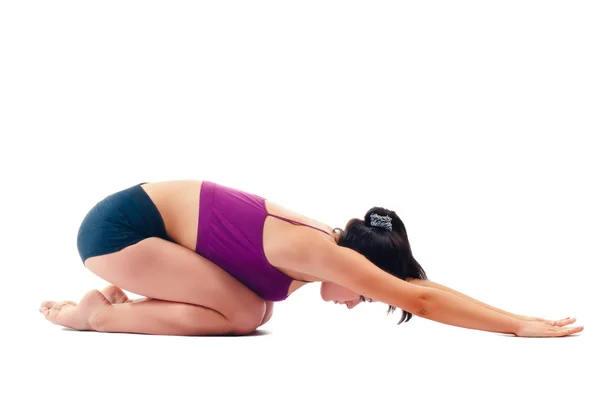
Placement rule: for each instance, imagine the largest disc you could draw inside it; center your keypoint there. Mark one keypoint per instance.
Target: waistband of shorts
(139, 196)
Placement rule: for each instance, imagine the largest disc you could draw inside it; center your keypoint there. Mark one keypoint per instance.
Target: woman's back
(180, 202)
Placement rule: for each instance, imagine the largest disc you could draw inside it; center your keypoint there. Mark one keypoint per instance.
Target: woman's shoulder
(310, 253)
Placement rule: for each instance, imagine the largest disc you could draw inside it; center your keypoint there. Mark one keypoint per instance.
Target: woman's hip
(117, 221)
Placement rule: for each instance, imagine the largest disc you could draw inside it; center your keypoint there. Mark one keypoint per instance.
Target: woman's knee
(268, 313)
(246, 320)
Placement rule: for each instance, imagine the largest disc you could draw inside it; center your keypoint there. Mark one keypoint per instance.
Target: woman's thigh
(160, 269)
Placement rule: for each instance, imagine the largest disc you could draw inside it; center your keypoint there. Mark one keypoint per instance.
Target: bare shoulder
(352, 270)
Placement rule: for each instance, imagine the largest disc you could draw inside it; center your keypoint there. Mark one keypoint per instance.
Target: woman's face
(340, 295)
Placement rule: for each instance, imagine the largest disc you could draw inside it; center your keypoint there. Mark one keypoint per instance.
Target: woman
(212, 260)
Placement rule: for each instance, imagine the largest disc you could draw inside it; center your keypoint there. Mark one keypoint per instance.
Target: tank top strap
(297, 223)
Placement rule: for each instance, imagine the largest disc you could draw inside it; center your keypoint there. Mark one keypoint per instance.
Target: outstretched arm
(355, 272)
(430, 284)
(352, 270)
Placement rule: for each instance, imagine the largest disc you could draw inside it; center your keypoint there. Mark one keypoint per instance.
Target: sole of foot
(79, 316)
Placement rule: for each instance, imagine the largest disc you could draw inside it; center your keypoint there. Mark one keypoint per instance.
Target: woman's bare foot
(78, 316)
(115, 295)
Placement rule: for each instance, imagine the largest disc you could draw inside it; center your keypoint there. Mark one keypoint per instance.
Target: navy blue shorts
(119, 220)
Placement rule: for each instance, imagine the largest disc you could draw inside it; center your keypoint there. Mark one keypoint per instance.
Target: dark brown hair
(388, 249)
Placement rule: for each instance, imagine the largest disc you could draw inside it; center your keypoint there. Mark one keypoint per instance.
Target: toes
(53, 313)
(60, 304)
(65, 316)
(73, 315)
(115, 295)
(55, 304)
(52, 309)
(47, 304)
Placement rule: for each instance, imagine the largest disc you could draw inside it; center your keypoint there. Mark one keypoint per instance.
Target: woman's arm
(430, 284)
(353, 271)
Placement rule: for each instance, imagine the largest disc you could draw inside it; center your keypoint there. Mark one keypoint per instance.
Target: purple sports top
(230, 234)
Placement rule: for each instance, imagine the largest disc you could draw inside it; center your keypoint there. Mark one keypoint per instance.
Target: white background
(477, 122)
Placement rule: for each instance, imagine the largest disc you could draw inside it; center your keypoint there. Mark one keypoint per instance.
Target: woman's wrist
(521, 317)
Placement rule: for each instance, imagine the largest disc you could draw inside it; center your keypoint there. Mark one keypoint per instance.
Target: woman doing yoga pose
(212, 260)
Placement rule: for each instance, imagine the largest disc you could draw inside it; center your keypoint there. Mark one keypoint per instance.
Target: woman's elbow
(422, 303)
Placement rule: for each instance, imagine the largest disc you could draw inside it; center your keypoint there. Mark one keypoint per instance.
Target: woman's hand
(539, 327)
(558, 322)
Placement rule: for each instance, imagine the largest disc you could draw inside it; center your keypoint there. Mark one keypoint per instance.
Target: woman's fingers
(540, 329)
(552, 322)
(564, 321)
(569, 331)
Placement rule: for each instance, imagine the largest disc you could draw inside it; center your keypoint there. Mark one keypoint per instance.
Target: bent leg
(163, 270)
(146, 316)
(160, 317)
(186, 295)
